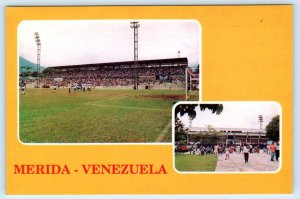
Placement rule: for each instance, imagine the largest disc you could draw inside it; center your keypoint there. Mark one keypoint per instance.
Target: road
(258, 162)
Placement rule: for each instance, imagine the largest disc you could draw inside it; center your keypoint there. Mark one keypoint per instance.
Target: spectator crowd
(109, 77)
(273, 149)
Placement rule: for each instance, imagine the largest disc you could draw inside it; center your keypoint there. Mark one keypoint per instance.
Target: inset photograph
(105, 81)
(225, 137)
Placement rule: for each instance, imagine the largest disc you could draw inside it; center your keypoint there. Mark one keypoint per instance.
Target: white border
(109, 20)
(226, 102)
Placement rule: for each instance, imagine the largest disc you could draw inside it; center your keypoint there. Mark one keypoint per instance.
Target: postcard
(149, 100)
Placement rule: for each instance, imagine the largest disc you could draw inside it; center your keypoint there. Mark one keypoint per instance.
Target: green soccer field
(193, 162)
(98, 116)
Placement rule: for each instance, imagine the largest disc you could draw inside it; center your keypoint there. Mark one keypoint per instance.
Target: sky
(73, 42)
(236, 115)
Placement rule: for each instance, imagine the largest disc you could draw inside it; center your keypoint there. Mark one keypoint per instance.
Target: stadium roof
(152, 63)
(243, 130)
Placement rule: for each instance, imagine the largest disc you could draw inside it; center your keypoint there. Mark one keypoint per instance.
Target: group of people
(108, 77)
(78, 87)
(244, 149)
(272, 149)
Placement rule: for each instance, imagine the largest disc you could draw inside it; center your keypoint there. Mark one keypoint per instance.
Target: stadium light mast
(260, 119)
(135, 25)
(38, 67)
(190, 128)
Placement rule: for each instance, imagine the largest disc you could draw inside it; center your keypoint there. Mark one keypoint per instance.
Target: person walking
(216, 150)
(257, 149)
(277, 151)
(220, 150)
(272, 150)
(227, 153)
(22, 85)
(238, 149)
(246, 153)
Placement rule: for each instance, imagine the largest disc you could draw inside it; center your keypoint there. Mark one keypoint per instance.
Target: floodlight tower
(260, 119)
(190, 128)
(38, 67)
(135, 25)
(190, 123)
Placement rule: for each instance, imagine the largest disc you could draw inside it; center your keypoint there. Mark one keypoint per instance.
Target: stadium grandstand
(152, 74)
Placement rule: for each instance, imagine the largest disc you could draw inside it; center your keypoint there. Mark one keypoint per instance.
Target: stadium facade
(232, 135)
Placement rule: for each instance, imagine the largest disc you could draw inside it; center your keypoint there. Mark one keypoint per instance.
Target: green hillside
(24, 63)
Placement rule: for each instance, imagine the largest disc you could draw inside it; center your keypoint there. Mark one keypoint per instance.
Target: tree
(272, 129)
(34, 74)
(210, 137)
(189, 109)
(25, 71)
(181, 133)
(28, 73)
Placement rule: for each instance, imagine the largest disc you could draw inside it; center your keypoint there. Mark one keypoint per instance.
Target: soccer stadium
(103, 101)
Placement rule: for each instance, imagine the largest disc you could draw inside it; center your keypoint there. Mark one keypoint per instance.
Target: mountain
(24, 63)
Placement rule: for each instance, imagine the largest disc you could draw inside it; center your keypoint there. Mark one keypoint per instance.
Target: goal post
(191, 83)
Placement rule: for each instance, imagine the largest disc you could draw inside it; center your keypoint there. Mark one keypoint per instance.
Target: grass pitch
(98, 116)
(193, 162)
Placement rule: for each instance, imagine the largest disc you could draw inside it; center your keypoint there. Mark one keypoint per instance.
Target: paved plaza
(258, 162)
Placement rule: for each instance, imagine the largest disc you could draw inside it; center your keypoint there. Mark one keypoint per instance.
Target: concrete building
(231, 135)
